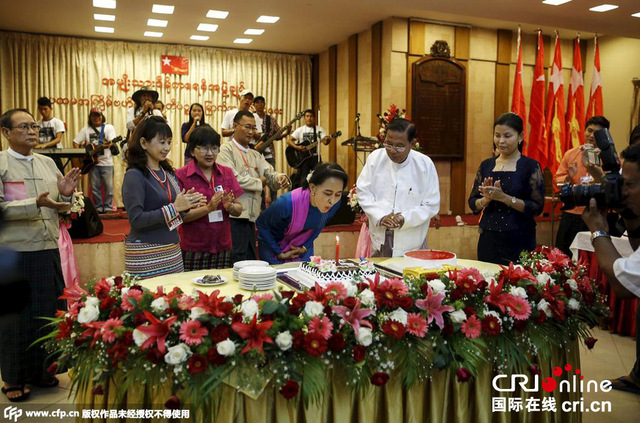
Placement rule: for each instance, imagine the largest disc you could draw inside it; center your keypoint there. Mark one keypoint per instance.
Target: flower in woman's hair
(417, 325)
(192, 332)
(518, 308)
(108, 330)
(323, 326)
(472, 327)
(309, 176)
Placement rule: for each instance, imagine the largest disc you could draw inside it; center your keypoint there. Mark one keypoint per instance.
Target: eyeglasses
(249, 127)
(400, 149)
(25, 126)
(213, 149)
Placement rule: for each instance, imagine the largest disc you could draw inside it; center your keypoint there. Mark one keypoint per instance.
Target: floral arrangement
(370, 331)
(77, 207)
(392, 113)
(352, 198)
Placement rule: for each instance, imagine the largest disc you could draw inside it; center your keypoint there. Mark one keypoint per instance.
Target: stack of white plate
(258, 278)
(244, 263)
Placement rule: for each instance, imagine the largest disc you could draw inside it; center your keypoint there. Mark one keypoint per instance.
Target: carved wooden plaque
(438, 106)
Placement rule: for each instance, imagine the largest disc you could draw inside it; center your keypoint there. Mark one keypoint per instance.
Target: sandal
(23, 396)
(624, 384)
(48, 383)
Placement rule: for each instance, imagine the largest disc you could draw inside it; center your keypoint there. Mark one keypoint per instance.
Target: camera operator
(577, 168)
(623, 274)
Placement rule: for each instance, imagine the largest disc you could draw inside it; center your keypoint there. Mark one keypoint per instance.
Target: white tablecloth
(582, 241)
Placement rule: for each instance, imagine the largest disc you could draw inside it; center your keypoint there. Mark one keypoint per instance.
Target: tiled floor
(612, 356)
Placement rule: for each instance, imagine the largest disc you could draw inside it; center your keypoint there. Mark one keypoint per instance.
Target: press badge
(218, 189)
(215, 216)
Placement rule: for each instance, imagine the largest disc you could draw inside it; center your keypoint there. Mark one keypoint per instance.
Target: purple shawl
(294, 234)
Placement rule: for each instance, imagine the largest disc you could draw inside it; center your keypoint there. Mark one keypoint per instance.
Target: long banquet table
(442, 399)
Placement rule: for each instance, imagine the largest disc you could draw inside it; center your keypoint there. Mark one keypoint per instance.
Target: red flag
(537, 143)
(175, 64)
(555, 111)
(518, 104)
(595, 107)
(575, 101)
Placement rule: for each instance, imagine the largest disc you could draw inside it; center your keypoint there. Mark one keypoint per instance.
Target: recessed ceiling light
(217, 14)
(636, 15)
(242, 40)
(157, 22)
(153, 34)
(604, 8)
(254, 32)
(99, 17)
(200, 37)
(207, 27)
(105, 29)
(105, 4)
(162, 9)
(555, 2)
(268, 19)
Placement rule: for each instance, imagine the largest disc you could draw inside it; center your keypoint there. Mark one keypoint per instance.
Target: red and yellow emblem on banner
(176, 65)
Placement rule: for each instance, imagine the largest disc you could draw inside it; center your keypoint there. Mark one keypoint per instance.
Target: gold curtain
(635, 113)
(84, 73)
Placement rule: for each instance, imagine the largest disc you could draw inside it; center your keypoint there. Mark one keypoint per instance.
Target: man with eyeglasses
(32, 192)
(399, 191)
(253, 173)
(227, 127)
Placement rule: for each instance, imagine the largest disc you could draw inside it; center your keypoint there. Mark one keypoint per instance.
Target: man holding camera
(578, 166)
(623, 274)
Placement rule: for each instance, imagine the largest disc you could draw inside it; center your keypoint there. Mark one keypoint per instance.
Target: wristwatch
(513, 201)
(598, 234)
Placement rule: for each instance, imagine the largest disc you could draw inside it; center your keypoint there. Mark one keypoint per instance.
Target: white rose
(313, 308)
(364, 337)
(92, 302)
(543, 305)
(226, 347)
(399, 315)
(159, 305)
(458, 316)
(250, 308)
(284, 340)
(124, 290)
(543, 278)
(139, 337)
(88, 314)
(437, 286)
(196, 312)
(518, 291)
(352, 290)
(573, 284)
(177, 354)
(574, 304)
(367, 298)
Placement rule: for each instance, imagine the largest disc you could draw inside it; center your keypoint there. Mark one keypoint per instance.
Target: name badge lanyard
(165, 184)
(244, 159)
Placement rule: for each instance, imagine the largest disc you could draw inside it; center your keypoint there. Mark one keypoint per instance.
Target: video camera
(607, 192)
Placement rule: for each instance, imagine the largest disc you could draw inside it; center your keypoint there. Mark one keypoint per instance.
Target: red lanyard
(246, 163)
(165, 184)
(212, 183)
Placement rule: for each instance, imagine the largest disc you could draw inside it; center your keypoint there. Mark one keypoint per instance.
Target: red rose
(533, 369)
(287, 294)
(172, 403)
(470, 311)
(117, 280)
(298, 340)
(540, 318)
(290, 389)
(237, 299)
(102, 289)
(337, 342)
(215, 358)
(327, 310)
(107, 303)
(80, 341)
(359, 353)
(314, 344)
(53, 368)
(463, 374)
(300, 300)
(520, 325)
(456, 294)
(349, 302)
(293, 310)
(196, 364)
(393, 328)
(219, 333)
(448, 330)
(405, 302)
(236, 318)
(590, 342)
(567, 289)
(482, 285)
(97, 390)
(431, 276)
(531, 290)
(116, 313)
(155, 356)
(139, 319)
(424, 289)
(379, 378)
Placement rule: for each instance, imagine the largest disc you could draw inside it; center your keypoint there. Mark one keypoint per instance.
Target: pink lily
(355, 317)
(157, 331)
(434, 308)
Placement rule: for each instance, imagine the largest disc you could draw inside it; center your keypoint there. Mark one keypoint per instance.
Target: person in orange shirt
(574, 169)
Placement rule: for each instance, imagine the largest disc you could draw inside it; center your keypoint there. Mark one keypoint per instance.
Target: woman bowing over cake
(287, 229)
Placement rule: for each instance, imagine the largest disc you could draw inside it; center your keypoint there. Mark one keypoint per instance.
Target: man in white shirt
(305, 135)
(623, 274)
(399, 191)
(227, 127)
(99, 135)
(253, 173)
(51, 129)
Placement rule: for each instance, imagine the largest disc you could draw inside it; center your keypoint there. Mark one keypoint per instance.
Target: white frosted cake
(429, 259)
(326, 271)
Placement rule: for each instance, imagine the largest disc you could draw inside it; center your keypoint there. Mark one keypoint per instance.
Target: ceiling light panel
(105, 29)
(604, 8)
(636, 15)
(268, 19)
(207, 27)
(105, 4)
(153, 34)
(162, 9)
(200, 37)
(242, 40)
(100, 17)
(555, 2)
(157, 22)
(254, 31)
(217, 14)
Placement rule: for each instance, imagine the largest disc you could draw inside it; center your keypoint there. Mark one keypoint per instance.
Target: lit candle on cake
(337, 250)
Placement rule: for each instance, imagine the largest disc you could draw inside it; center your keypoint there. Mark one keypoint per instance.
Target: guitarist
(267, 126)
(98, 134)
(306, 135)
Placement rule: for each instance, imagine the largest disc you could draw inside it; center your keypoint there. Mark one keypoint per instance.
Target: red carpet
(115, 230)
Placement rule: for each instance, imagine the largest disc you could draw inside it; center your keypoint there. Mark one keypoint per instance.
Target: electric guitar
(295, 157)
(91, 158)
(263, 145)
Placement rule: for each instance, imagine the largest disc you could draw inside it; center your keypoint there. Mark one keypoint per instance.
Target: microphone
(357, 117)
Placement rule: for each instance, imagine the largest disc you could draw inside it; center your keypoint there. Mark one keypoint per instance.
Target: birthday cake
(429, 259)
(326, 271)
